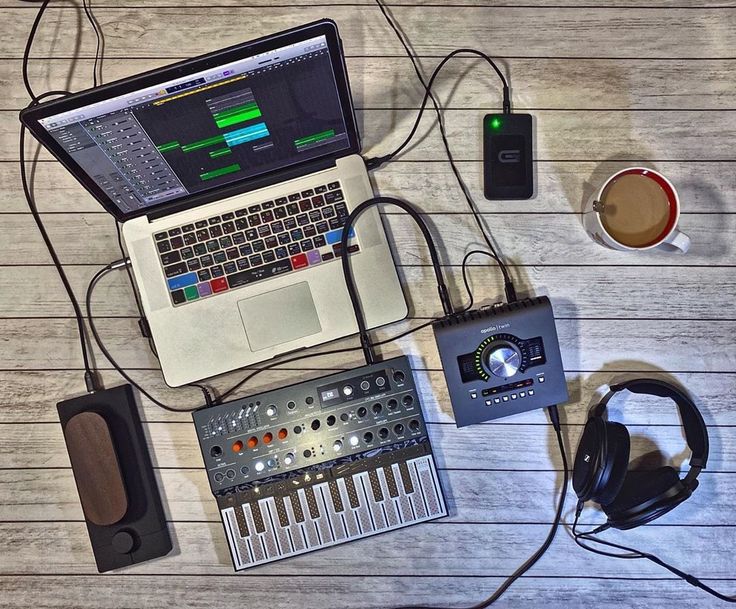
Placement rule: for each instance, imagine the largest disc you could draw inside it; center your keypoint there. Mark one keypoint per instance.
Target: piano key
(310, 527)
(239, 546)
(257, 518)
(406, 478)
(389, 505)
(354, 518)
(336, 498)
(321, 519)
(269, 536)
(296, 507)
(283, 517)
(376, 511)
(240, 520)
(375, 485)
(405, 507)
(256, 544)
(282, 537)
(311, 502)
(393, 489)
(337, 526)
(429, 484)
(352, 492)
(296, 528)
(417, 497)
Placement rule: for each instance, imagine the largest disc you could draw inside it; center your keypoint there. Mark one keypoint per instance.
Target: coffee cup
(636, 209)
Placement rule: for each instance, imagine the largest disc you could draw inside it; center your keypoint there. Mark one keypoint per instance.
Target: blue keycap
(182, 281)
(334, 236)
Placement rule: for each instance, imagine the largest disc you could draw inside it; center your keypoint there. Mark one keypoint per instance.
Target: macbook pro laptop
(232, 175)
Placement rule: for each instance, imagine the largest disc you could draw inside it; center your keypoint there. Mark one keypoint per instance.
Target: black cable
(365, 340)
(634, 554)
(376, 162)
(464, 266)
(95, 26)
(531, 561)
(27, 51)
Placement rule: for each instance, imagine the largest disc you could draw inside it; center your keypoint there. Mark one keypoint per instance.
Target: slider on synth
(320, 463)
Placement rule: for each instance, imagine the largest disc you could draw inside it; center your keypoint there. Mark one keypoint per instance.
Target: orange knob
(268, 437)
(237, 446)
(283, 433)
(252, 442)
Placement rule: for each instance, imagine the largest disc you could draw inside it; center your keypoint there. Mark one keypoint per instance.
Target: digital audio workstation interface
(211, 128)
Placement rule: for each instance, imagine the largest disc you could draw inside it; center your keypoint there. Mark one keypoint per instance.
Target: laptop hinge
(253, 184)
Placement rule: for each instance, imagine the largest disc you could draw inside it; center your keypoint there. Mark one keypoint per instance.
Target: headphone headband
(696, 433)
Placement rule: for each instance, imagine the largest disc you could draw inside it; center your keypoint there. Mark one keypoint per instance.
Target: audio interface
(320, 463)
(501, 360)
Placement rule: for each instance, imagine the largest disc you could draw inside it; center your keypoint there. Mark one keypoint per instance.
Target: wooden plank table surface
(634, 82)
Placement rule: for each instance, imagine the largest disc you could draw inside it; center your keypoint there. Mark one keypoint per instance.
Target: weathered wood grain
(585, 344)
(525, 239)
(354, 592)
(703, 186)
(576, 292)
(588, 31)
(31, 396)
(465, 82)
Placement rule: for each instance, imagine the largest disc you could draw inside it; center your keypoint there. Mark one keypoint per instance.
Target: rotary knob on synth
(337, 446)
(289, 458)
(271, 411)
(502, 360)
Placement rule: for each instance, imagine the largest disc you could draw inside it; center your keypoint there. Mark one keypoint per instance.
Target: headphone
(633, 498)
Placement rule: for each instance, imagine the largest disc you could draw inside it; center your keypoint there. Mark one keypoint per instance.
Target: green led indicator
(495, 123)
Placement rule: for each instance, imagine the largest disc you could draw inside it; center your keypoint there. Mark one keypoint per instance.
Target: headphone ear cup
(616, 463)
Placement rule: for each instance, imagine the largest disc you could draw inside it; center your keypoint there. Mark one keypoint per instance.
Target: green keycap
(191, 292)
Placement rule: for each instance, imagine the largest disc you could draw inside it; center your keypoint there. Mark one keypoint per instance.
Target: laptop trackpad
(279, 316)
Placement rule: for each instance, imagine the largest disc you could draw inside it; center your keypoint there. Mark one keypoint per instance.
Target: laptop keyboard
(225, 252)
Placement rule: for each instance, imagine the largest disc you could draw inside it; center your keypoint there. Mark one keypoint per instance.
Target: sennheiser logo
(495, 328)
(509, 156)
(586, 458)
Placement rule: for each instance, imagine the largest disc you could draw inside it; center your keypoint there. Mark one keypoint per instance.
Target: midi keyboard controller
(320, 463)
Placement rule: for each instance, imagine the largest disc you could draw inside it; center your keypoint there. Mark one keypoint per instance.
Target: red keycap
(219, 285)
(299, 261)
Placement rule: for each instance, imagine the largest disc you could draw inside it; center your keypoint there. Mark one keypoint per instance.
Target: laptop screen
(208, 129)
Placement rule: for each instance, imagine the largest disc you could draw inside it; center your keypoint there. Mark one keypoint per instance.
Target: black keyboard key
(268, 205)
(281, 253)
(215, 220)
(178, 296)
(335, 494)
(337, 248)
(318, 201)
(188, 228)
(160, 236)
(243, 264)
(342, 211)
(175, 269)
(254, 209)
(241, 212)
(263, 272)
(271, 242)
(322, 227)
(284, 238)
(327, 256)
(375, 485)
(277, 227)
(170, 258)
(219, 257)
(254, 220)
(194, 264)
(215, 231)
(225, 242)
(267, 216)
(228, 227)
(292, 209)
(335, 223)
(333, 185)
(307, 193)
(163, 246)
(204, 275)
(201, 224)
(310, 231)
(302, 219)
(268, 256)
(294, 197)
(333, 197)
(281, 201)
(311, 502)
(206, 260)
(307, 245)
(406, 478)
(305, 205)
(352, 492)
(228, 216)
(246, 249)
(238, 238)
(251, 234)
(393, 490)
(217, 271)
(255, 509)
(297, 234)
(258, 245)
(280, 213)
(213, 246)
(294, 249)
(186, 253)
(190, 238)
(229, 268)
(256, 260)
(320, 189)
(241, 224)
(281, 511)
(203, 235)
(289, 223)
(296, 506)
(174, 232)
(353, 248)
(319, 241)
(328, 212)
(315, 215)
(200, 249)
(232, 253)
(264, 230)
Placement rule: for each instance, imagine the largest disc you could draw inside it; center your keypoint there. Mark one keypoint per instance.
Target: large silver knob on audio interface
(503, 360)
